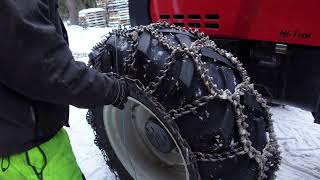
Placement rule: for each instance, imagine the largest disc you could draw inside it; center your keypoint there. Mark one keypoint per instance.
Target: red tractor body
(285, 21)
(277, 40)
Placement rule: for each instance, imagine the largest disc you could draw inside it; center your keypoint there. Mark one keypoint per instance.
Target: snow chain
(270, 155)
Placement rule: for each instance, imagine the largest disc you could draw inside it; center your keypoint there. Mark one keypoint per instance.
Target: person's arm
(37, 63)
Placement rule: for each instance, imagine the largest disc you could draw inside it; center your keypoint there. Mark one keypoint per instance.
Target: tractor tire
(173, 110)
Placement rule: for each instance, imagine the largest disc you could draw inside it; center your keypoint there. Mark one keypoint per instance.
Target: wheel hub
(158, 137)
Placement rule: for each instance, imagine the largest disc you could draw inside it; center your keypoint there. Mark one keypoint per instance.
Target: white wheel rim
(138, 156)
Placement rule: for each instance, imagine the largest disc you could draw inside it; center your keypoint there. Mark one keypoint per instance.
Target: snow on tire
(199, 94)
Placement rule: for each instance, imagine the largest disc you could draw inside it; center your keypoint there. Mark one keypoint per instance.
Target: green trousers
(52, 160)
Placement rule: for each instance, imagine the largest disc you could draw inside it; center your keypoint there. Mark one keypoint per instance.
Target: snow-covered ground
(298, 136)
(299, 139)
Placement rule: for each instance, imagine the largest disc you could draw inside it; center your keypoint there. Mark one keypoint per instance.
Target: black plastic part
(194, 16)
(301, 84)
(195, 25)
(316, 113)
(291, 78)
(212, 26)
(316, 116)
(158, 137)
(139, 11)
(212, 16)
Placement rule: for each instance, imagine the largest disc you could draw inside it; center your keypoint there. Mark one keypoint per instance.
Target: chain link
(217, 157)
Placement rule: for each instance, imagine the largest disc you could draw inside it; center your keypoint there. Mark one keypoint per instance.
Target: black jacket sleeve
(37, 63)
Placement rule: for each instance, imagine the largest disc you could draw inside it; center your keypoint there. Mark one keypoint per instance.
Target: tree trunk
(73, 12)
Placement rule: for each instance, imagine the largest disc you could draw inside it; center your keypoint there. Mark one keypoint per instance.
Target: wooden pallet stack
(93, 17)
(118, 13)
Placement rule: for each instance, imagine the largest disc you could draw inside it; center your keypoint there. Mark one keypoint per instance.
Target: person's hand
(123, 91)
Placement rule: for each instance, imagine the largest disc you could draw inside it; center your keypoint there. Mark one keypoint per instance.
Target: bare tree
(73, 12)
